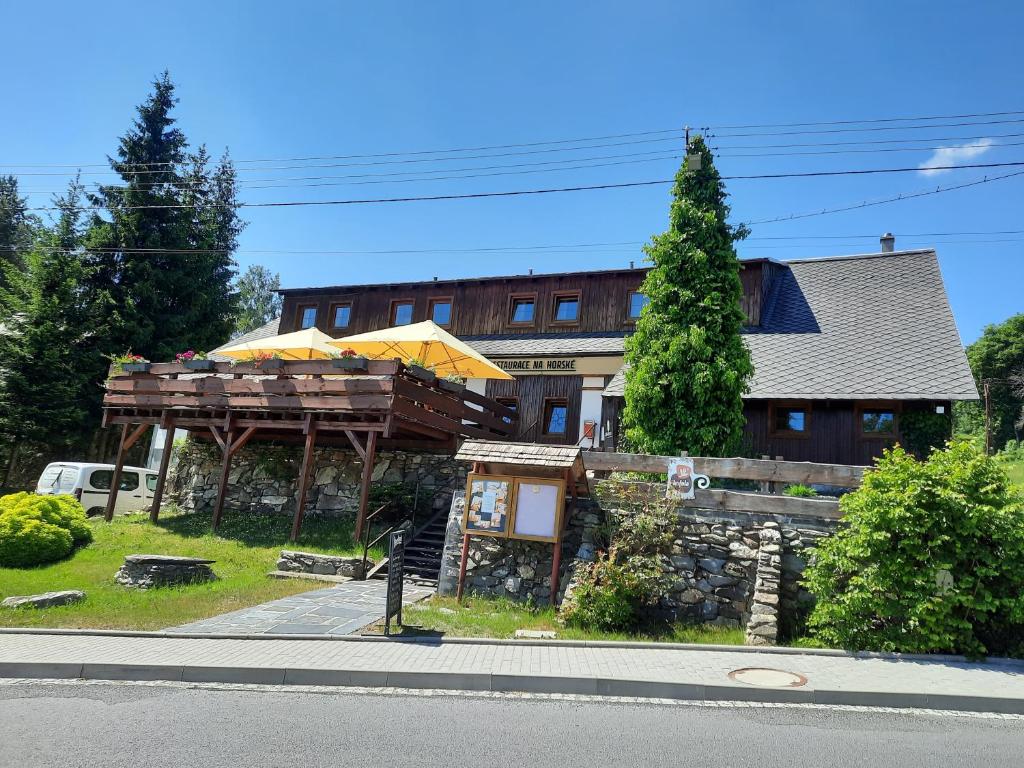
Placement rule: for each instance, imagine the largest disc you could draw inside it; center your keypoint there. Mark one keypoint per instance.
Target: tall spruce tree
(47, 370)
(688, 364)
(160, 263)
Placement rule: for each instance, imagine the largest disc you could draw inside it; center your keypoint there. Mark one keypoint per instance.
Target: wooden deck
(314, 402)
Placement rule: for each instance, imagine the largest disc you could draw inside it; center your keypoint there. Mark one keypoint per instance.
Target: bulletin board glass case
(488, 505)
(514, 507)
(537, 514)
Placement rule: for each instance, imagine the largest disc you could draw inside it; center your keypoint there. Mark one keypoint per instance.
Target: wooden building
(842, 346)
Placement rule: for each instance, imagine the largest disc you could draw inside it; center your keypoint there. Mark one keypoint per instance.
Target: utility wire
(582, 188)
(871, 120)
(863, 130)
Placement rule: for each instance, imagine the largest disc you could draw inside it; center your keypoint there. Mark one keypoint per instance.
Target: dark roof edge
(857, 256)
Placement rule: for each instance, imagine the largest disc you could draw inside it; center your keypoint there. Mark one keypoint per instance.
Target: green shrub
(611, 594)
(802, 491)
(40, 529)
(882, 582)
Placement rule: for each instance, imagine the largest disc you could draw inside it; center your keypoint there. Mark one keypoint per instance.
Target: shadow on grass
(331, 534)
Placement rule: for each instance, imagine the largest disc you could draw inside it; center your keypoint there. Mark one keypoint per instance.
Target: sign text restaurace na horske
(539, 365)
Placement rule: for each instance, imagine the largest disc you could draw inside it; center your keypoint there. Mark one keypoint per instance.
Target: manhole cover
(768, 678)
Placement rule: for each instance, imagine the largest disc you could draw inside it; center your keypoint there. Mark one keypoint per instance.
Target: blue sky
(273, 81)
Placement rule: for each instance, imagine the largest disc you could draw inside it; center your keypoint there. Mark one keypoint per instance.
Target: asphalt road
(81, 724)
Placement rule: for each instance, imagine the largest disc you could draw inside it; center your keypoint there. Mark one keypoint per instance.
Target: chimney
(888, 241)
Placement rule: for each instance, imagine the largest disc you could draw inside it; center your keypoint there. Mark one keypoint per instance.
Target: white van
(90, 484)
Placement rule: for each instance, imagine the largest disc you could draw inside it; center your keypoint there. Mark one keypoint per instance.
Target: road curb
(509, 683)
(628, 645)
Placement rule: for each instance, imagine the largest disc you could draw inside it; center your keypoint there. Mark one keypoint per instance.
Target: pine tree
(160, 266)
(48, 381)
(258, 300)
(688, 364)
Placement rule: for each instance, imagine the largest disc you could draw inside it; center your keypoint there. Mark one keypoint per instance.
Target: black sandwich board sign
(396, 564)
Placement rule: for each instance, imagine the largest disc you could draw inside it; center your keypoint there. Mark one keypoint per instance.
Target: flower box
(351, 363)
(451, 386)
(136, 367)
(198, 365)
(421, 373)
(271, 364)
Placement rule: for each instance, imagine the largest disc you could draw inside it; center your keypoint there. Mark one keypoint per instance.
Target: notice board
(514, 507)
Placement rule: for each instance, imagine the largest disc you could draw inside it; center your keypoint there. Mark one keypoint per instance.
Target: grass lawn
(1015, 469)
(485, 617)
(246, 548)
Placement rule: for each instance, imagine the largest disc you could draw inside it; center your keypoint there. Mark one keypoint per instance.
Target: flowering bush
(40, 529)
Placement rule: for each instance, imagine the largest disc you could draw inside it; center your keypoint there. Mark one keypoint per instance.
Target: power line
(864, 130)
(871, 120)
(868, 204)
(582, 188)
(864, 142)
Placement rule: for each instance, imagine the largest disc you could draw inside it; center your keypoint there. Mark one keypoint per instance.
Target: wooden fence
(758, 470)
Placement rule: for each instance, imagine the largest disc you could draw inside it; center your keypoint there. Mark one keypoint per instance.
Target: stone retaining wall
(264, 478)
(736, 572)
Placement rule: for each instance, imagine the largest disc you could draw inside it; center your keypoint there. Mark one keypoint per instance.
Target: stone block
(45, 600)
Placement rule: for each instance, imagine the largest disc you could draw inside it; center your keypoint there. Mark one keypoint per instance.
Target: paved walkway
(679, 673)
(337, 610)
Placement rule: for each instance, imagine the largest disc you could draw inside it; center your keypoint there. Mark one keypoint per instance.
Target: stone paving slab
(337, 610)
(535, 667)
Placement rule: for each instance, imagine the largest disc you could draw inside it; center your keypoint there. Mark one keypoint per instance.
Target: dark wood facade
(530, 394)
(478, 306)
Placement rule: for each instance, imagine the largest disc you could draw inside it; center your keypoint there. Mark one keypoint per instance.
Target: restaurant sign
(564, 366)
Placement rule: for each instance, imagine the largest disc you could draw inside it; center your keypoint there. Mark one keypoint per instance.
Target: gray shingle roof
(263, 332)
(497, 345)
(860, 327)
(491, 452)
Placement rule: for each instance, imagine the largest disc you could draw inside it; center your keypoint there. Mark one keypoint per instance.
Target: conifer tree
(160, 263)
(688, 364)
(258, 300)
(17, 228)
(47, 369)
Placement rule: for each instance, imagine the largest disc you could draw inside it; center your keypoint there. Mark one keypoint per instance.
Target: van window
(151, 482)
(59, 478)
(101, 478)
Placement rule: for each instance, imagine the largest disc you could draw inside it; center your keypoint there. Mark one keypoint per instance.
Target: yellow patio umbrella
(309, 344)
(428, 344)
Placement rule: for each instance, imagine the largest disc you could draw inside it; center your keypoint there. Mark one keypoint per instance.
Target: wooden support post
(307, 466)
(462, 567)
(777, 487)
(556, 557)
(765, 485)
(367, 476)
(161, 477)
(127, 441)
(225, 470)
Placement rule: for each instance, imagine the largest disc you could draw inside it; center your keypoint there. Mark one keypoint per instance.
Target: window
(102, 478)
(341, 315)
(790, 419)
(874, 421)
(508, 402)
(556, 417)
(401, 312)
(522, 309)
(307, 316)
(567, 308)
(441, 312)
(637, 302)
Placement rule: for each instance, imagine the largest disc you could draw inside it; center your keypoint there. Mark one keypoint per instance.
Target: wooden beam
(161, 477)
(225, 470)
(805, 472)
(242, 440)
(217, 436)
(127, 441)
(307, 466)
(356, 444)
(365, 479)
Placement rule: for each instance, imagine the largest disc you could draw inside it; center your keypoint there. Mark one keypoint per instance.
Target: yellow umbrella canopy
(428, 344)
(309, 344)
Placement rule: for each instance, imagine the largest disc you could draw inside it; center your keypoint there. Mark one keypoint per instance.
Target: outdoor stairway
(423, 551)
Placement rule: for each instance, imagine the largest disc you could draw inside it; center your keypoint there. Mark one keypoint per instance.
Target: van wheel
(95, 511)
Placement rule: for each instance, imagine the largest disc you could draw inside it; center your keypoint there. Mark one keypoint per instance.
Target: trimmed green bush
(40, 529)
(928, 560)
